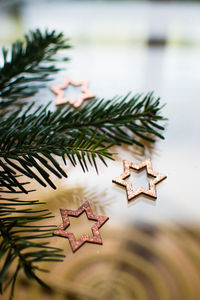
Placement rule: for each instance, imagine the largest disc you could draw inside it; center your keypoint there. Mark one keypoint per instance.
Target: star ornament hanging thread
(76, 244)
(131, 193)
(86, 93)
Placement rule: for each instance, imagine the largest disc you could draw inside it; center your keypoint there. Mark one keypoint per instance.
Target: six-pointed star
(76, 244)
(60, 97)
(129, 189)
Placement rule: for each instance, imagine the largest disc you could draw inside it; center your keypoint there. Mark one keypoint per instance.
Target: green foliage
(32, 138)
(30, 64)
(24, 243)
(20, 245)
(120, 119)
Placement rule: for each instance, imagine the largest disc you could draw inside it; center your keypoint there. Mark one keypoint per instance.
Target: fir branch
(33, 137)
(20, 245)
(29, 140)
(121, 119)
(30, 64)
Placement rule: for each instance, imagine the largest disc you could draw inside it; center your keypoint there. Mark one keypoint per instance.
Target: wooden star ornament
(131, 193)
(76, 244)
(60, 97)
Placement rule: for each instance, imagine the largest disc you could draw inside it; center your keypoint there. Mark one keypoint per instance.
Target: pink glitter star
(76, 244)
(131, 194)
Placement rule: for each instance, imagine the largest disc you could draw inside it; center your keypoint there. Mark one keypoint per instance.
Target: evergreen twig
(120, 119)
(20, 245)
(31, 137)
(31, 140)
(30, 64)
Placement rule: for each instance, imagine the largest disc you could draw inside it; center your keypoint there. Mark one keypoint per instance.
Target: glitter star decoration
(131, 193)
(60, 97)
(76, 244)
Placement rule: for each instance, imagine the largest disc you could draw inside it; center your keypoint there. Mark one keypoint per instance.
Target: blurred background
(151, 249)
